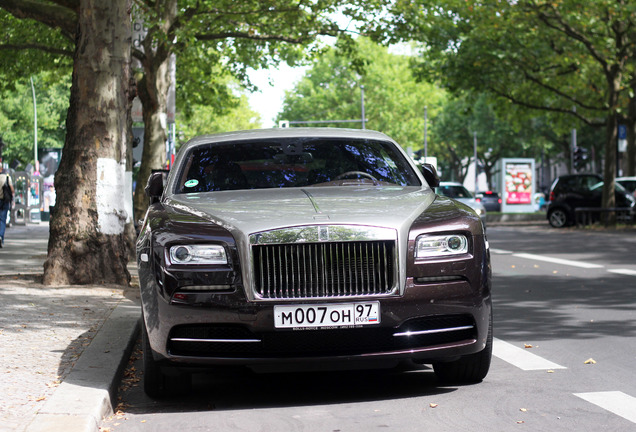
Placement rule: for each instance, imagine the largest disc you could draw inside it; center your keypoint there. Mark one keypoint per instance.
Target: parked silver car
(458, 192)
(629, 183)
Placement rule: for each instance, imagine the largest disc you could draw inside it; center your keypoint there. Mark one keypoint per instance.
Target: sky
(268, 102)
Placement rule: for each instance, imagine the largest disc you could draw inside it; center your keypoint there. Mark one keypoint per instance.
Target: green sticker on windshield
(191, 183)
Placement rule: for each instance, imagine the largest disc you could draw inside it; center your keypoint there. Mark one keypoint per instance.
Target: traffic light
(580, 158)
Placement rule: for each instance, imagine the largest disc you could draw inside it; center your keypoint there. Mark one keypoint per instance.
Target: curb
(515, 218)
(87, 394)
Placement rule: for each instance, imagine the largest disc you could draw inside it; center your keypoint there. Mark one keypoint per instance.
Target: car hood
(253, 211)
(248, 212)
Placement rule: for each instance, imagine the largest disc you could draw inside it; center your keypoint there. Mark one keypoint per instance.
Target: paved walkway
(49, 352)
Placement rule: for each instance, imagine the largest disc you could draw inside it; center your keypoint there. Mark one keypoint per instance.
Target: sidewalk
(62, 349)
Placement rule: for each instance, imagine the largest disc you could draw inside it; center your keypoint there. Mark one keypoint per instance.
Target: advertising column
(518, 185)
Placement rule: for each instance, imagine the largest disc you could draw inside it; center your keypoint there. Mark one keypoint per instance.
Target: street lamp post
(362, 102)
(476, 164)
(425, 133)
(35, 130)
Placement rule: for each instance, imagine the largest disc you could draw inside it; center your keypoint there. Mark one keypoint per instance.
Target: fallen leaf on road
(523, 409)
(433, 405)
(527, 346)
(520, 422)
(550, 371)
(590, 361)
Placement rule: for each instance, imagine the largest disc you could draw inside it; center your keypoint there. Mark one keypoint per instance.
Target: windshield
(599, 186)
(293, 162)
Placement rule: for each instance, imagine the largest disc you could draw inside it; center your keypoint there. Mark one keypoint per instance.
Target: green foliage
(541, 55)
(28, 47)
(394, 101)
(469, 116)
(216, 39)
(205, 119)
(17, 120)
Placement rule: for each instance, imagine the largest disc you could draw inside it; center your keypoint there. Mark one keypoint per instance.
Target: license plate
(327, 315)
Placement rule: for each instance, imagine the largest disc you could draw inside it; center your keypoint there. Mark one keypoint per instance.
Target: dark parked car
(573, 191)
(309, 248)
(490, 200)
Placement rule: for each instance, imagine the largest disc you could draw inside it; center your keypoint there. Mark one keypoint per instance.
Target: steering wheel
(356, 173)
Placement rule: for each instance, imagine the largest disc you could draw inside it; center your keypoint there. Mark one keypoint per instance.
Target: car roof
(626, 178)
(444, 183)
(580, 175)
(295, 132)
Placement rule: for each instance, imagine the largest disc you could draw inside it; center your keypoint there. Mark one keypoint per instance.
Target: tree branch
(247, 35)
(69, 4)
(52, 15)
(44, 48)
(560, 93)
(517, 101)
(560, 25)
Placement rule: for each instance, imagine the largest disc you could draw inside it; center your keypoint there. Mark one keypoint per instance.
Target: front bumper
(432, 321)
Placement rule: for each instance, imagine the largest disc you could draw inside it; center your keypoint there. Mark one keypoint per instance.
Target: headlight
(198, 254)
(427, 246)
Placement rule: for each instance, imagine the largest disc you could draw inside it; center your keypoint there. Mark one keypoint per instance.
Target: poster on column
(518, 183)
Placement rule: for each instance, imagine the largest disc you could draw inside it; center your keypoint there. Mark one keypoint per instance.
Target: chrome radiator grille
(318, 270)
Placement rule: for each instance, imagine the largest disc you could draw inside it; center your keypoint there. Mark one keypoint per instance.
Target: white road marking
(616, 402)
(627, 272)
(521, 357)
(558, 260)
(501, 251)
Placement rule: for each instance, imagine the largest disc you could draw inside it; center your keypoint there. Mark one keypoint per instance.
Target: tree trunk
(130, 231)
(609, 171)
(631, 137)
(153, 92)
(87, 241)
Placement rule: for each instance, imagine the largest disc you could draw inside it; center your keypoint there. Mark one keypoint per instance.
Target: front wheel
(558, 218)
(469, 369)
(154, 378)
(158, 384)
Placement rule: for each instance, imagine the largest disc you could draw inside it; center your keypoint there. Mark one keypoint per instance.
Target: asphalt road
(564, 356)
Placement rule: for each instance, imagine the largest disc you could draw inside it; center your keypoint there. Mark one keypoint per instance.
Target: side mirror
(430, 175)
(154, 187)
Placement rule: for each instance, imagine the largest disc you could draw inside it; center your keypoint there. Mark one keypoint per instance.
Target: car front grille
(322, 270)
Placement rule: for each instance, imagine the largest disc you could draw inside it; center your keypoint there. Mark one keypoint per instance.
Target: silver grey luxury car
(305, 248)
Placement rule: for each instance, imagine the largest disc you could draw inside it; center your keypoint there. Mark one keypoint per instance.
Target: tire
(469, 369)
(157, 383)
(558, 218)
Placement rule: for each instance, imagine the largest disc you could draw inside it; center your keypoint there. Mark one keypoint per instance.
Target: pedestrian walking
(6, 199)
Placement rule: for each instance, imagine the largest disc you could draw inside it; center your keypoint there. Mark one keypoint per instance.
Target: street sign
(622, 132)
